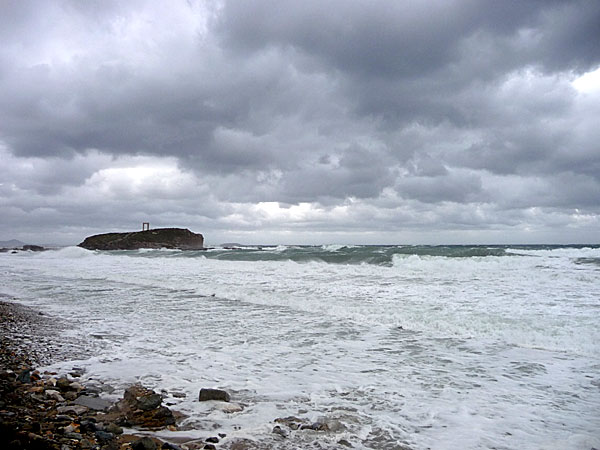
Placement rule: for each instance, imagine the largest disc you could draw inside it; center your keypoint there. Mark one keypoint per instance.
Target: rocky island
(174, 238)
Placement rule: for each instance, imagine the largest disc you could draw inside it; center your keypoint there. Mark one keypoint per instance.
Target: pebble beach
(42, 409)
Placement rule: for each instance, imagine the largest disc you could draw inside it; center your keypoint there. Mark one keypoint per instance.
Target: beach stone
(132, 415)
(87, 426)
(137, 395)
(76, 386)
(95, 403)
(72, 409)
(63, 418)
(24, 376)
(168, 446)
(71, 435)
(71, 395)
(54, 395)
(63, 384)
(114, 428)
(212, 440)
(207, 394)
(104, 436)
(243, 444)
(316, 426)
(77, 371)
(144, 443)
(210, 447)
(86, 443)
(71, 428)
(345, 443)
(148, 402)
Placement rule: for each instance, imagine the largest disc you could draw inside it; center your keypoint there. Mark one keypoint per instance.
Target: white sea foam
(432, 352)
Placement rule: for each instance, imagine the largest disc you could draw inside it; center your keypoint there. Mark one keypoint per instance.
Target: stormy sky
(301, 122)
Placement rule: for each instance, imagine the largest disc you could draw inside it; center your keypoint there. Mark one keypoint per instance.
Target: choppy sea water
(418, 347)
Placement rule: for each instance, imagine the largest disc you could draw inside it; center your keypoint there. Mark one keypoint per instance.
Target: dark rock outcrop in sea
(174, 238)
(26, 247)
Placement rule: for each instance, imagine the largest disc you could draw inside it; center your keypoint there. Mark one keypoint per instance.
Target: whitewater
(418, 347)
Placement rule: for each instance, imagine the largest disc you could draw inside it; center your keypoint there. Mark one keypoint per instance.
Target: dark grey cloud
(304, 116)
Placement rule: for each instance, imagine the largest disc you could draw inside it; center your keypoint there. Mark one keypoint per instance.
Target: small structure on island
(145, 226)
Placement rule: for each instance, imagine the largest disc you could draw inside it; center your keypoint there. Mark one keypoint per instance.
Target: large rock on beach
(174, 238)
(207, 394)
(142, 407)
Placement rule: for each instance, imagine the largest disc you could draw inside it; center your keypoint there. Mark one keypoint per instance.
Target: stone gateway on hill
(176, 238)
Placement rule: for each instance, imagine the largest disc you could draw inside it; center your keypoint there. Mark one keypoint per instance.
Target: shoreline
(50, 410)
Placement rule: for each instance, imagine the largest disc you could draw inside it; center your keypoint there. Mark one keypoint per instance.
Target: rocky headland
(172, 238)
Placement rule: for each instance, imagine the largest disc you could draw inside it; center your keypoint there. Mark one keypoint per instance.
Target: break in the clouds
(301, 122)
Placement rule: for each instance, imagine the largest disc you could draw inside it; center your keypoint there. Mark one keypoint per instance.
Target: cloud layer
(277, 121)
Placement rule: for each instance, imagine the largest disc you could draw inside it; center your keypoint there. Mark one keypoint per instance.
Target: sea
(394, 347)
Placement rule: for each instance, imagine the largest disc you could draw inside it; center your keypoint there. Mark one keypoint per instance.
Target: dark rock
(345, 443)
(212, 440)
(137, 396)
(70, 395)
(149, 402)
(317, 426)
(168, 446)
(132, 415)
(207, 394)
(34, 248)
(63, 384)
(76, 372)
(114, 428)
(144, 443)
(163, 415)
(24, 376)
(178, 238)
(210, 447)
(222, 435)
(104, 436)
(87, 426)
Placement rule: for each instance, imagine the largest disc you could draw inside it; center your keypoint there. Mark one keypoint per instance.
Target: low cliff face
(178, 238)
